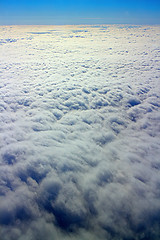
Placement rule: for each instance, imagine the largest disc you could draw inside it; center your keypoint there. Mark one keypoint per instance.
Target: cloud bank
(79, 132)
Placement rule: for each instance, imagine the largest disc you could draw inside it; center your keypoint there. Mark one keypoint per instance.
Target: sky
(61, 12)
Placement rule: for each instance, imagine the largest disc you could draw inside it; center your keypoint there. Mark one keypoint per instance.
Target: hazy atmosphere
(79, 120)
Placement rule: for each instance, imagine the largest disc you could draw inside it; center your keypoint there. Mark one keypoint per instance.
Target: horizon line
(85, 24)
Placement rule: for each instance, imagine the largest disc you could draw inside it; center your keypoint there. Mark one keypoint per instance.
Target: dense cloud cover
(79, 132)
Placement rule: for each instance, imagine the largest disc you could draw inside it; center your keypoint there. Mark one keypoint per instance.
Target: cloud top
(79, 132)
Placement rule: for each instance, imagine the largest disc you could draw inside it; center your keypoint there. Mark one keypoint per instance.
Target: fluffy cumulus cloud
(79, 133)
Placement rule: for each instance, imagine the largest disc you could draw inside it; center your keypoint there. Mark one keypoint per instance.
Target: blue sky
(79, 12)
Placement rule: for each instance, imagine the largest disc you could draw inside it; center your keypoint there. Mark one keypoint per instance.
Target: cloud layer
(79, 132)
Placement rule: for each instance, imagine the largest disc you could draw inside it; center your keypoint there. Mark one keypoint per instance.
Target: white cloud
(79, 133)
